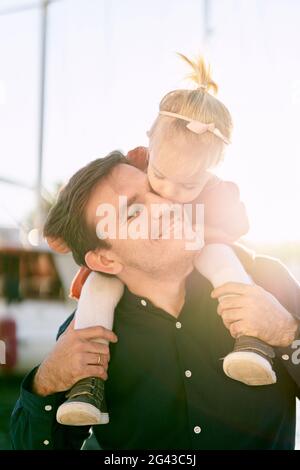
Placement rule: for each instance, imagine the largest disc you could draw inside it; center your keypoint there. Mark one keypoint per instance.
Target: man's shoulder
(271, 274)
(65, 325)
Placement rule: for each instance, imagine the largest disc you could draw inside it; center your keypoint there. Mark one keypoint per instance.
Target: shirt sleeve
(275, 277)
(278, 280)
(225, 215)
(33, 422)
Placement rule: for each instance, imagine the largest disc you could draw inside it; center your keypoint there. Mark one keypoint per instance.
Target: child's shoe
(250, 362)
(85, 404)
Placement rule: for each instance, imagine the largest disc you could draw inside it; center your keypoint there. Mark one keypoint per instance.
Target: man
(166, 387)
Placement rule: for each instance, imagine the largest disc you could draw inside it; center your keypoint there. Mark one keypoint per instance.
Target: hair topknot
(200, 74)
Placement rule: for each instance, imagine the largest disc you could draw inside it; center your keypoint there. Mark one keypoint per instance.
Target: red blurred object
(78, 281)
(8, 334)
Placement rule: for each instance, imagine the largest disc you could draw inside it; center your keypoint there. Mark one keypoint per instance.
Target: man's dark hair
(67, 219)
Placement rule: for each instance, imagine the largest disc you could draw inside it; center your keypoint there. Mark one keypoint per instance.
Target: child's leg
(219, 264)
(99, 296)
(250, 362)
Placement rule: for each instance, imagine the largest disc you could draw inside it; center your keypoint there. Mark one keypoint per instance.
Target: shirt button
(143, 302)
(178, 324)
(285, 357)
(188, 373)
(197, 429)
(48, 407)
(46, 442)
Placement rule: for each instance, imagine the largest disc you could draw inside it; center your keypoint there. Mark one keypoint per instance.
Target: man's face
(147, 254)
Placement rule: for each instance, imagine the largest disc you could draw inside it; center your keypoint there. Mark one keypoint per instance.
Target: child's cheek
(152, 181)
(149, 176)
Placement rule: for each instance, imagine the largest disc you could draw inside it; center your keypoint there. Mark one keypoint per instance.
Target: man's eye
(134, 211)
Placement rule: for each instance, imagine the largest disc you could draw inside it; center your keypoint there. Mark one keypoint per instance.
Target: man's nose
(153, 198)
(159, 206)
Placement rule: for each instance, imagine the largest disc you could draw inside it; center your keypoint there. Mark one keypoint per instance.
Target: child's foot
(85, 404)
(250, 362)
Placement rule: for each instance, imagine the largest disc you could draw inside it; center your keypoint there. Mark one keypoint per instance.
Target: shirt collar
(133, 303)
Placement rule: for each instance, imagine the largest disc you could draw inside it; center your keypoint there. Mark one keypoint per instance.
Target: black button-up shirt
(167, 389)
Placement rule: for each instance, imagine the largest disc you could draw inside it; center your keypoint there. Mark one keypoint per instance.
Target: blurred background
(79, 78)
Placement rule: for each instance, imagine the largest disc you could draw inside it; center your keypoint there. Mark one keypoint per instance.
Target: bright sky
(109, 64)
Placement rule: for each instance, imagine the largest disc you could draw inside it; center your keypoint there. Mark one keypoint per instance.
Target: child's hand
(138, 157)
(58, 245)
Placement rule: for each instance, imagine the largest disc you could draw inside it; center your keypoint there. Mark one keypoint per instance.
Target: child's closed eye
(190, 186)
(158, 175)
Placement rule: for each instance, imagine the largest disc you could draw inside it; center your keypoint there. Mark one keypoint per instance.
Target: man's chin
(180, 248)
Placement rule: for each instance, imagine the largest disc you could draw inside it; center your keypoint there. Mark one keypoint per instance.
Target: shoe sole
(249, 368)
(80, 414)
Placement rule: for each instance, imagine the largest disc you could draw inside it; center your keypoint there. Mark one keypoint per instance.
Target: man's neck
(167, 294)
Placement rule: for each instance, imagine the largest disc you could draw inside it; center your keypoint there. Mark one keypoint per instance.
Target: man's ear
(103, 261)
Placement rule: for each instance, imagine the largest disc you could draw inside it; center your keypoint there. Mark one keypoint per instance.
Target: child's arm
(225, 221)
(225, 216)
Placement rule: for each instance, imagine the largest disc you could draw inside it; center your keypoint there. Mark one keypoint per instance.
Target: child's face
(175, 169)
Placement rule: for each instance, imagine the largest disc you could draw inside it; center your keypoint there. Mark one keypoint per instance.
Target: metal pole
(208, 30)
(22, 8)
(19, 9)
(43, 63)
(16, 183)
(43, 6)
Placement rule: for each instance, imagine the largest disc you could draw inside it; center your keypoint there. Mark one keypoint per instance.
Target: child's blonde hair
(198, 104)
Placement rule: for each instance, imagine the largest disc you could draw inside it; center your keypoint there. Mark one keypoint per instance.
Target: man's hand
(249, 310)
(74, 357)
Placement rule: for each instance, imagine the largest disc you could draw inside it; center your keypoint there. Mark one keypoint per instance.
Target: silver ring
(99, 360)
